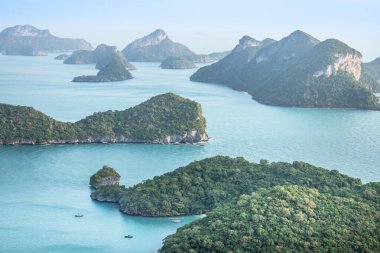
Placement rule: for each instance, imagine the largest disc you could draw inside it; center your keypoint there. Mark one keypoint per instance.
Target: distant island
(101, 56)
(246, 201)
(61, 57)
(157, 46)
(30, 41)
(24, 51)
(298, 70)
(163, 119)
(112, 72)
(177, 63)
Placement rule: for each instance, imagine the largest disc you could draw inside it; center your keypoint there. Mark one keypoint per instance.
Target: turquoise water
(42, 187)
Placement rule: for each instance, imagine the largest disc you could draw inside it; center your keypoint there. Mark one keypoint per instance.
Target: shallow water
(42, 187)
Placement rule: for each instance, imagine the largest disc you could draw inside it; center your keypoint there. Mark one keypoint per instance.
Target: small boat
(176, 220)
(128, 236)
(78, 215)
(176, 143)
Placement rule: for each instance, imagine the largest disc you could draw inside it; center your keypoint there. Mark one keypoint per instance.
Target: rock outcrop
(105, 177)
(349, 63)
(61, 57)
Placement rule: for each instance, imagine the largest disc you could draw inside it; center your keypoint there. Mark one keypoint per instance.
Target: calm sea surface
(42, 187)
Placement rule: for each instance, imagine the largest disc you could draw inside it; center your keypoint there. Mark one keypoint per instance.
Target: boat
(176, 220)
(128, 236)
(78, 215)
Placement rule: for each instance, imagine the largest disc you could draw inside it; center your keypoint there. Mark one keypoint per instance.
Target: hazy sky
(204, 26)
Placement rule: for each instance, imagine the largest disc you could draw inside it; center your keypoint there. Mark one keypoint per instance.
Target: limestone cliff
(350, 63)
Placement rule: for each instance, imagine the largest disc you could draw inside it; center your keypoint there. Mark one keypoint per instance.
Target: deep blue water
(42, 187)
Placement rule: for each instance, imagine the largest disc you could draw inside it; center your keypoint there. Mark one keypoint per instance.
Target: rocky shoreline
(188, 138)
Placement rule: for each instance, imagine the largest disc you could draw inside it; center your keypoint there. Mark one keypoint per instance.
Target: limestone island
(172, 62)
(297, 71)
(163, 119)
(112, 72)
(245, 201)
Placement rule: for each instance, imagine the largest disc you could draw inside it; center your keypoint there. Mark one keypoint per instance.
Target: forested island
(166, 118)
(255, 206)
(298, 70)
(114, 71)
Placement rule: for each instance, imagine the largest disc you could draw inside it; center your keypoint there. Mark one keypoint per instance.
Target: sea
(43, 187)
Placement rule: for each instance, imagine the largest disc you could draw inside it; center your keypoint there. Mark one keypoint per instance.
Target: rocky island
(177, 63)
(112, 72)
(298, 70)
(245, 201)
(15, 40)
(61, 57)
(163, 119)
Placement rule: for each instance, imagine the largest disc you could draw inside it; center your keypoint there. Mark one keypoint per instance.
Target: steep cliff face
(349, 63)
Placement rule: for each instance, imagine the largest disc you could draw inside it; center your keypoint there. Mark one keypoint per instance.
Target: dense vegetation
(177, 63)
(114, 71)
(203, 185)
(283, 73)
(151, 121)
(265, 207)
(283, 219)
(104, 176)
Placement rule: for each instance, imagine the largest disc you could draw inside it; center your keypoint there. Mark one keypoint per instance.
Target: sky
(204, 26)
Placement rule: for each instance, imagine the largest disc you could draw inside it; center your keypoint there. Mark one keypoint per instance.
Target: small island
(105, 176)
(61, 57)
(172, 62)
(163, 119)
(112, 72)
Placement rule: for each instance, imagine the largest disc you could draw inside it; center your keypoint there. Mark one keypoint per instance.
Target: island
(250, 203)
(61, 57)
(101, 56)
(105, 176)
(163, 119)
(177, 63)
(287, 218)
(112, 72)
(157, 46)
(13, 39)
(299, 70)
